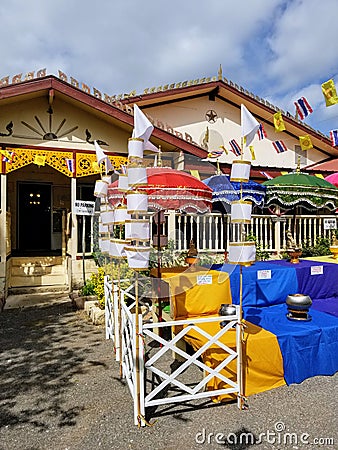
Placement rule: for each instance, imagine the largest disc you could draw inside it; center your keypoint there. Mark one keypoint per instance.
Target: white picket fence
(213, 232)
(148, 373)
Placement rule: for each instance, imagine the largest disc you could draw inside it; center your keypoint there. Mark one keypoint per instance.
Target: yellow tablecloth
(328, 258)
(196, 291)
(262, 358)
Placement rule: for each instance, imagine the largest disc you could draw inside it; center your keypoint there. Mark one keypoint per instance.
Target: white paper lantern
(243, 253)
(135, 147)
(137, 176)
(241, 211)
(240, 170)
(106, 178)
(121, 215)
(116, 248)
(137, 229)
(103, 229)
(138, 257)
(104, 245)
(123, 183)
(101, 188)
(107, 217)
(137, 202)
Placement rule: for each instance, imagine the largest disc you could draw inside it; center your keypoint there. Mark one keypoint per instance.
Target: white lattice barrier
(153, 382)
(191, 389)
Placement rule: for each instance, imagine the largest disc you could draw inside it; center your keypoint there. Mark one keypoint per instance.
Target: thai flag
(334, 137)
(70, 164)
(215, 154)
(8, 156)
(266, 175)
(303, 108)
(235, 148)
(261, 132)
(280, 147)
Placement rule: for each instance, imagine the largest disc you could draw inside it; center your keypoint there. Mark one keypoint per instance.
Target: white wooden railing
(212, 232)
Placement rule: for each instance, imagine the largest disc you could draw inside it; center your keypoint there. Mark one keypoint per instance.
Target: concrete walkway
(60, 389)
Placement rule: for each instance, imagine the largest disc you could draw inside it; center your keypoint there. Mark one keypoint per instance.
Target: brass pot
(298, 302)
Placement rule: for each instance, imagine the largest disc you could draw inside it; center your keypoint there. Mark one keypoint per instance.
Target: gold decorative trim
(24, 156)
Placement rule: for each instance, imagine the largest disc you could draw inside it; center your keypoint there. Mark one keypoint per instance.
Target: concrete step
(37, 270)
(45, 280)
(36, 261)
(42, 290)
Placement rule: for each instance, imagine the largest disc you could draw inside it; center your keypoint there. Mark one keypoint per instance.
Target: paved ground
(60, 390)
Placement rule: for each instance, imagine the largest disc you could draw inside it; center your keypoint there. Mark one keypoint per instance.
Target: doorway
(34, 218)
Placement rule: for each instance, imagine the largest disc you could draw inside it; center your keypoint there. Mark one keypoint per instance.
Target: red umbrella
(333, 179)
(170, 189)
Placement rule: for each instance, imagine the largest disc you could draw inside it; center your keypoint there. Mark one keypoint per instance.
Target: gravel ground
(60, 389)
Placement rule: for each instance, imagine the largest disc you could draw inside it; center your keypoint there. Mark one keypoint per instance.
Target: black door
(34, 217)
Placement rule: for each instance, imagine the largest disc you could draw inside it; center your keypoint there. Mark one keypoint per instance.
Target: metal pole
(83, 249)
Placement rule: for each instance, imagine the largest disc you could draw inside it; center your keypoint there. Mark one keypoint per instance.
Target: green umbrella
(301, 189)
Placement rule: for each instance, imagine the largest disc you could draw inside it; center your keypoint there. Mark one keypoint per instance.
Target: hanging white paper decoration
(104, 245)
(137, 229)
(123, 183)
(243, 253)
(116, 248)
(121, 215)
(135, 147)
(241, 211)
(101, 188)
(138, 257)
(240, 170)
(137, 202)
(137, 176)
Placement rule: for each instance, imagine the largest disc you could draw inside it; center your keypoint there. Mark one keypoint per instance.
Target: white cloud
(277, 49)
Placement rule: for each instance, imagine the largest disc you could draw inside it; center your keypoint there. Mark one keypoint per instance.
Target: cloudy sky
(277, 49)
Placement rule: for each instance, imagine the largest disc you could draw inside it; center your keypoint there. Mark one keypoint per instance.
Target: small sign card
(317, 270)
(204, 279)
(264, 274)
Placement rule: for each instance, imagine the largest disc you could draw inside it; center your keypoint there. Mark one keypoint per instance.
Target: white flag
(143, 129)
(101, 156)
(249, 125)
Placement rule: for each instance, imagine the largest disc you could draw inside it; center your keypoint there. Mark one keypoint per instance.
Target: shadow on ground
(42, 356)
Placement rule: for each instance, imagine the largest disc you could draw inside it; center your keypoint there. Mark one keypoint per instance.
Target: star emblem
(211, 116)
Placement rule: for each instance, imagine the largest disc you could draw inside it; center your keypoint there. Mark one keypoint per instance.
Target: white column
(3, 231)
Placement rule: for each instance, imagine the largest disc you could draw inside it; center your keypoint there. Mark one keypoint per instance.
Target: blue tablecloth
(308, 348)
(310, 281)
(264, 283)
(327, 305)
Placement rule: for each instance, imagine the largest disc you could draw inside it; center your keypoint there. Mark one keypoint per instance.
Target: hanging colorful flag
(215, 154)
(70, 164)
(305, 142)
(261, 132)
(330, 93)
(279, 146)
(278, 121)
(334, 137)
(235, 148)
(40, 160)
(303, 108)
(252, 151)
(249, 126)
(7, 156)
(266, 175)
